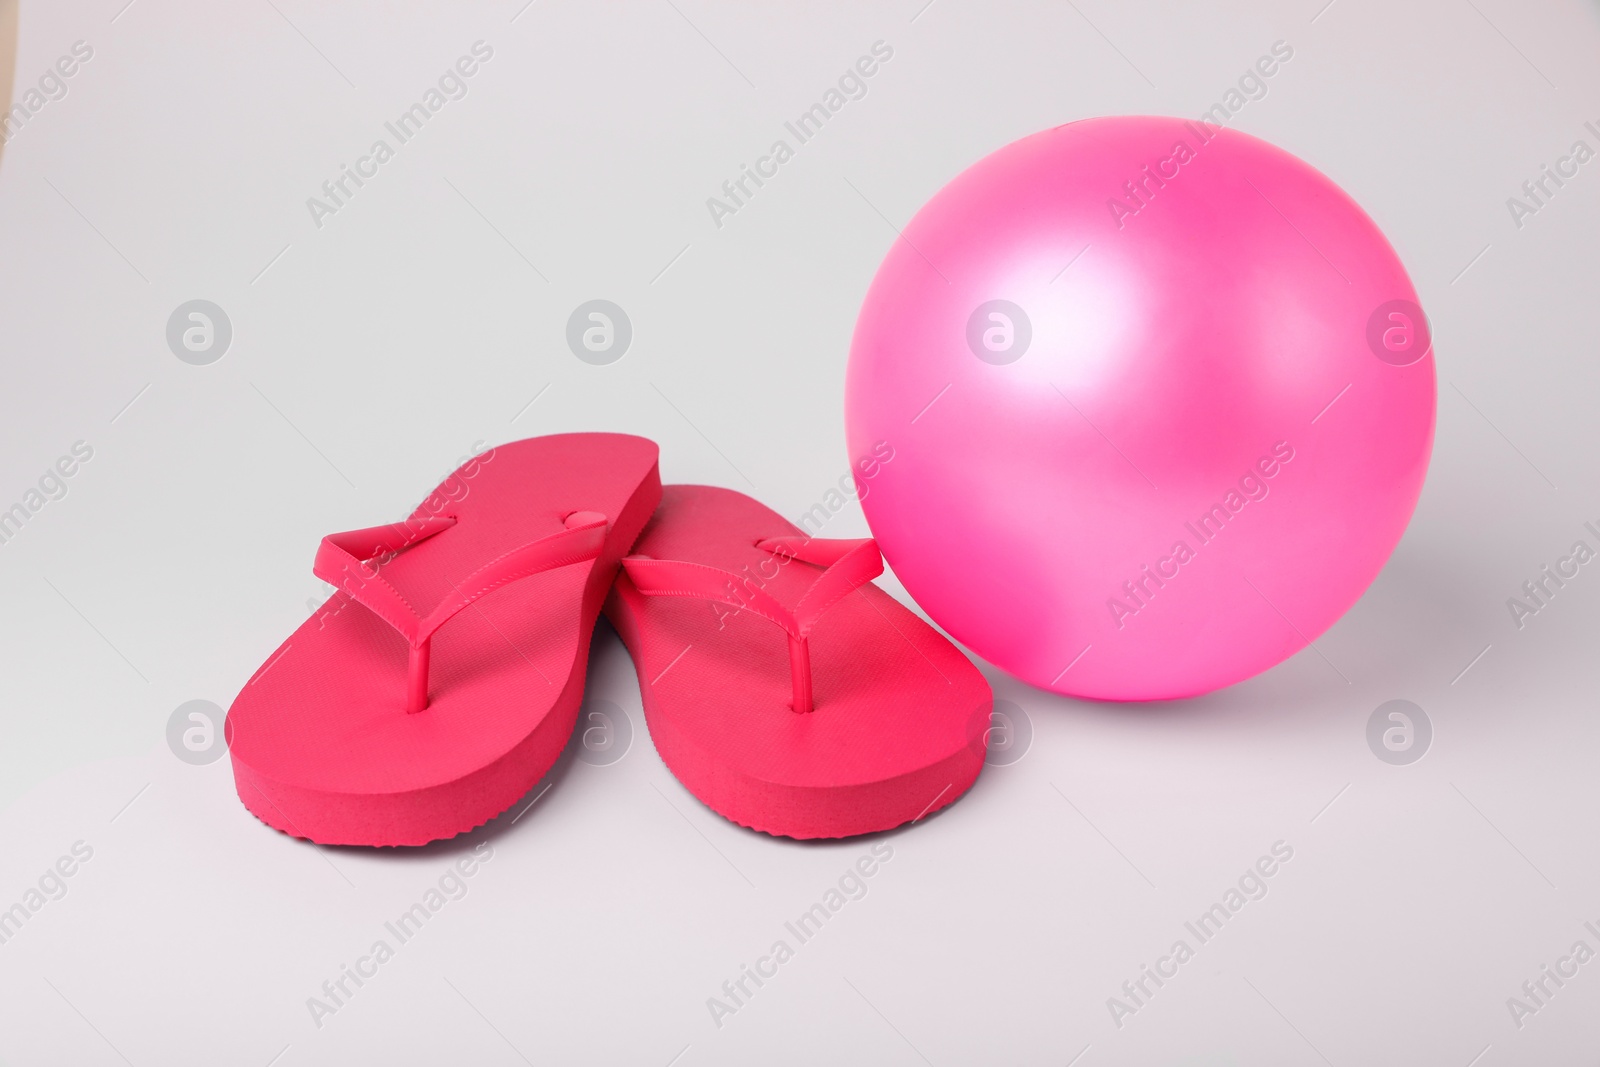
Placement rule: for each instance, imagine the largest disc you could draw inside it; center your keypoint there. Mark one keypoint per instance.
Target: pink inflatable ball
(1161, 400)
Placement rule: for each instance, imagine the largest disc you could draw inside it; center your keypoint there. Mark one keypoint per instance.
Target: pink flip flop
(783, 690)
(444, 677)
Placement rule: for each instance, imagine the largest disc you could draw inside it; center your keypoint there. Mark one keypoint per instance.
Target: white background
(370, 353)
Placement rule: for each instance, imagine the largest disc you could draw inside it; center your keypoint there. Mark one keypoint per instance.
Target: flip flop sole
(900, 716)
(321, 744)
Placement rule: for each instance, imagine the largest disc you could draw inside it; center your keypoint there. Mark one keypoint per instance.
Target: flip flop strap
(351, 561)
(847, 564)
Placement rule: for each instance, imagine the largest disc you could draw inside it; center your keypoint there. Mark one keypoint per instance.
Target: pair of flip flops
(443, 678)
